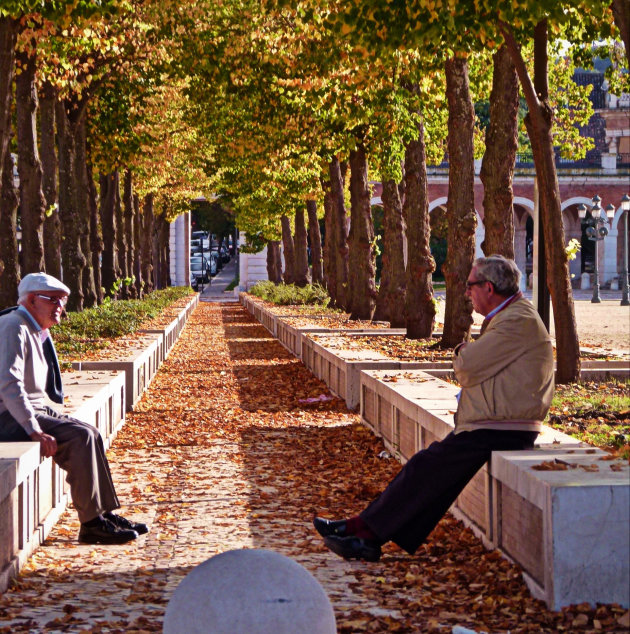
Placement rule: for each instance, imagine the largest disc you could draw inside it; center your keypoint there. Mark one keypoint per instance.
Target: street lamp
(596, 230)
(625, 205)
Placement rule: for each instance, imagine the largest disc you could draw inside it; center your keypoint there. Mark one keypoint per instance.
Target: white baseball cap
(40, 282)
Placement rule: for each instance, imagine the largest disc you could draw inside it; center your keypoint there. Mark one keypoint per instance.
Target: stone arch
(438, 202)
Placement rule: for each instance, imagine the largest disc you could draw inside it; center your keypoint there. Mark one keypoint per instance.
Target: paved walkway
(221, 454)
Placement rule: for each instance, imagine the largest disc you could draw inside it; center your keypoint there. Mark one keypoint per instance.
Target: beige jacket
(507, 375)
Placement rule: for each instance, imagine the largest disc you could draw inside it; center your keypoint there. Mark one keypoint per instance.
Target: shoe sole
(367, 553)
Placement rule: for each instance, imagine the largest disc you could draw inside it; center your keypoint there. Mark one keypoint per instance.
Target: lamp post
(625, 205)
(596, 230)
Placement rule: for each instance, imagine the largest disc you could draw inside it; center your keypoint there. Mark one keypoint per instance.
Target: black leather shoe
(330, 527)
(105, 532)
(123, 522)
(353, 547)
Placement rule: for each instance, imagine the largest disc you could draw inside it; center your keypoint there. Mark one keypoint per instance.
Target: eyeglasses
(57, 301)
(470, 284)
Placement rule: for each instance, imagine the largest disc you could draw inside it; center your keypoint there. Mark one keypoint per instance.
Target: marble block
(249, 591)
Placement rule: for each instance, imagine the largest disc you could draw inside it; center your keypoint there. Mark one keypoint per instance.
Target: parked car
(200, 268)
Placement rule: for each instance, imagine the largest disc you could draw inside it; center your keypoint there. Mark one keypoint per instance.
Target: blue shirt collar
(493, 312)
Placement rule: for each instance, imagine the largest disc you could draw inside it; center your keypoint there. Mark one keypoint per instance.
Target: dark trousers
(424, 489)
(80, 452)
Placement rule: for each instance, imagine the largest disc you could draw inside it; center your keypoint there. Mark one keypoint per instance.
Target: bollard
(249, 592)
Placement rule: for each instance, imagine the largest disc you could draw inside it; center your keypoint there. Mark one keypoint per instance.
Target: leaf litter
(220, 454)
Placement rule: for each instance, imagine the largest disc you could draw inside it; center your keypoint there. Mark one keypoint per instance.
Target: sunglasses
(57, 301)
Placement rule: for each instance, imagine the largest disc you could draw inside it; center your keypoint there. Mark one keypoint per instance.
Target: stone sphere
(249, 592)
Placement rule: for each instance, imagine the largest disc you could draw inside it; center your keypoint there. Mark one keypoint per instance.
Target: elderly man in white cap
(29, 372)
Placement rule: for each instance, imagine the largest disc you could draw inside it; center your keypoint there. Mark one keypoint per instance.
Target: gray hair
(501, 272)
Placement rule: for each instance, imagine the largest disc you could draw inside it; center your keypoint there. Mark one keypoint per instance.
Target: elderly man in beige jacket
(26, 378)
(507, 384)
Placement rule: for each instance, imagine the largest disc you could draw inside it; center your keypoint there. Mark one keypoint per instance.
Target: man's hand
(48, 445)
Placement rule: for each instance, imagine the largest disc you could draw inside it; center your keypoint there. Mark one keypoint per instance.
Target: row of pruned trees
(86, 118)
(315, 93)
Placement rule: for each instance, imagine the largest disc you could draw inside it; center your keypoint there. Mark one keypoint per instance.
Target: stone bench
(139, 361)
(33, 491)
(341, 368)
(568, 530)
(171, 331)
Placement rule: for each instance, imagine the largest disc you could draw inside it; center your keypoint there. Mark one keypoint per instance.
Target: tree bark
(621, 16)
(330, 248)
(317, 272)
(288, 251)
(8, 37)
(129, 232)
(137, 257)
(460, 208)
(497, 167)
(539, 122)
(121, 239)
(32, 204)
(337, 178)
(73, 260)
(96, 236)
(9, 267)
(274, 272)
(419, 303)
(147, 243)
(361, 261)
(83, 206)
(52, 224)
(392, 291)
(109, 267)
(160, 245)
(300, 244)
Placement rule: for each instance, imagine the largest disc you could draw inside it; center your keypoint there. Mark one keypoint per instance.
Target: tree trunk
(392, 291)
(621, 16)
(317, 274)
(288, 251)
(8, 36)
(83, 206)
(337, 178)
(9, 268)
(121, 241)
(96, 237)
(147, 243)
(460, 208)
(300, 244)
(361, 262)
(330, 248)
(137, 251)
(497, 167)
(129, 227)
(52, 224)
(419, 306)
(539, 121)
(274, 273)
(160, 245)
(109, 270)
(32, 204)
(72, 257)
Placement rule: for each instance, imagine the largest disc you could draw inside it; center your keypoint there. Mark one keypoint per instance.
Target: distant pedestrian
(29, 376)
(507, 379)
